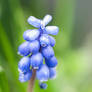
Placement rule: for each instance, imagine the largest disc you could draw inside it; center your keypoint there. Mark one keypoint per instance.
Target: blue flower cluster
(37, 51)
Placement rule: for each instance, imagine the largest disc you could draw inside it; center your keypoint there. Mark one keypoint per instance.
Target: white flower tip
(31, 18)
(48, 16)
(47, 19)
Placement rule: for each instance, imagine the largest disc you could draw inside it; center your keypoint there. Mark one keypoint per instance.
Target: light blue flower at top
(38, 23)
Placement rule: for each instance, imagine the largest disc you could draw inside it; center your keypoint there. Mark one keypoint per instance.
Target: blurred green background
(73, 47)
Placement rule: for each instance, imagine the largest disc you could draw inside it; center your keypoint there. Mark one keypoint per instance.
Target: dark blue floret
(43, 85)
(38, 46)
(52, 62)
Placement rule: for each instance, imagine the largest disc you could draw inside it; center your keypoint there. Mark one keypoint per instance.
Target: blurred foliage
(73, 43)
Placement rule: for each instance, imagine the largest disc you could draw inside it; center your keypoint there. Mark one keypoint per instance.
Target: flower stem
(32, 81)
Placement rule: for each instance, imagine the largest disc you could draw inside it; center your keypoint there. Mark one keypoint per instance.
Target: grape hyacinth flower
(38, 46)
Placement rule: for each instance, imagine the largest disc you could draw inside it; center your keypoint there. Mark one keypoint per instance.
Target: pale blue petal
(52, 30)
(42, 74)
(47, 19)
(34, 21)
(34, 46)
(44, 40)
(31, 35)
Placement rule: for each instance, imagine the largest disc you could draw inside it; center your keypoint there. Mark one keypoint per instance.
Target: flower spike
(38, 46)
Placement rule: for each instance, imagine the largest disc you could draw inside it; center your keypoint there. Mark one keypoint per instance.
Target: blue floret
(44, 40)
(24, 65)
(24, 49)
(36, 60)
(34, 21)
(43, 85)
(34, 46)
(52, 62)
(23, 77)
(52, 73)
(31, 35)
(43, 73)
(47, 52)
(53, 30)
(38, 51)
